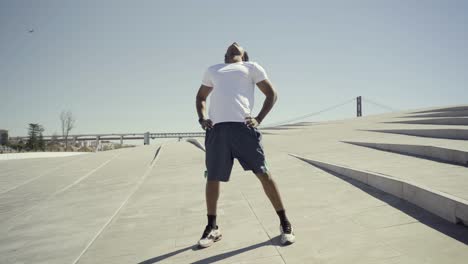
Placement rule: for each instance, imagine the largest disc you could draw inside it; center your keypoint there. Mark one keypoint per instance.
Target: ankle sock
(282, 217)
(212, 220)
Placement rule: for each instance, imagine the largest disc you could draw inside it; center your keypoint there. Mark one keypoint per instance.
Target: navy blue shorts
(229, 140)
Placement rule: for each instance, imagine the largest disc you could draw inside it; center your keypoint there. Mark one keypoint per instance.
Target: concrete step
(441, 114)
(445, 109)
(454, 121)
(447, 206)
(458, 134)
(446, 155)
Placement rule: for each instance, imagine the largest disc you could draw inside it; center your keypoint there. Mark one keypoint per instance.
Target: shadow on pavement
(167, 255)
(212, 259)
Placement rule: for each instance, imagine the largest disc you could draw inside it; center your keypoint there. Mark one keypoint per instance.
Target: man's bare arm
(270, 99)
(202, 94)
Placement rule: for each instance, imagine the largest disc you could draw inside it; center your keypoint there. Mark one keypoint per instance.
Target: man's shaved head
(235, 52)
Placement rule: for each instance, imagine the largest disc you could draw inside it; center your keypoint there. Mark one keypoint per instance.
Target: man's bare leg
(212, 232)
(212, 195)
(271, 190)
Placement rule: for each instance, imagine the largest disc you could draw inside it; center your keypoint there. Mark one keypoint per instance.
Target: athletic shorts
(229, 140)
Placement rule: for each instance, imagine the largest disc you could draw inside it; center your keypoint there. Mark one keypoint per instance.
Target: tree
(41, 143)
(20, 146)
(35, 137)
(68, 123)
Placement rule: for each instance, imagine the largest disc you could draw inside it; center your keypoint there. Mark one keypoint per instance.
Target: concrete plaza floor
(133, 206)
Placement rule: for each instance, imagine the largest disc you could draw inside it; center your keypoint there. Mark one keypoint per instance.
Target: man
(231, 132)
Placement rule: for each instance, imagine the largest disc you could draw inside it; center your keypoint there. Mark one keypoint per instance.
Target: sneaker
(210, 235)
(287, 234)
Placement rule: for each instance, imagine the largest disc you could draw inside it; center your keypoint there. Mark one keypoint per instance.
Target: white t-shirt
(232, 98)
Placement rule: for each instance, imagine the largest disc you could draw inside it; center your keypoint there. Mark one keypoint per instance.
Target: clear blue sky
(135, 66)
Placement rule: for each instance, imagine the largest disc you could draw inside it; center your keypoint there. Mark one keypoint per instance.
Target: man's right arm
(202, 94)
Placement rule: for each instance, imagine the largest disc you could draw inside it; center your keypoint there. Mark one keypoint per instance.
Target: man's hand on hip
(252, 122)
(206, 124)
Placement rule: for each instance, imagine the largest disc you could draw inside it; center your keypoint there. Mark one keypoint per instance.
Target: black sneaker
(210, 235)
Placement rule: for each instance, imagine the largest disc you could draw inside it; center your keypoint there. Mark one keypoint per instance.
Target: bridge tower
(359, 106)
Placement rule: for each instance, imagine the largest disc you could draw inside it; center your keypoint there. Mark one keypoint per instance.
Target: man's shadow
(275, 241)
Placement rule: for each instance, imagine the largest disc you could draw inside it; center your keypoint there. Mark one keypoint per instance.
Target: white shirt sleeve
(258, 73)
(207, 78)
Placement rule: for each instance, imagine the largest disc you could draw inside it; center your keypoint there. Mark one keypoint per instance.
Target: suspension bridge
(359, 110)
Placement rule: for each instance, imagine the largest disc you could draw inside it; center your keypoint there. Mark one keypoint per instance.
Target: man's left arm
(270, 99)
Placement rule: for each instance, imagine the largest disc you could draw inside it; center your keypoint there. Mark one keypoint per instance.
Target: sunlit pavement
(133, 206)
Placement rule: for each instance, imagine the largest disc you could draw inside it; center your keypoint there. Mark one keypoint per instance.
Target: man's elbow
(200, 98)
(273, 97)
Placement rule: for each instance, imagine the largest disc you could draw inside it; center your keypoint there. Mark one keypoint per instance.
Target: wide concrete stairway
(420, 160)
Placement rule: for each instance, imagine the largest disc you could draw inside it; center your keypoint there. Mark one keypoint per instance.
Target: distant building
(3, 137)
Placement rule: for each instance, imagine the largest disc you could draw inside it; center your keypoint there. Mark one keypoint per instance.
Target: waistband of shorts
(229, 123)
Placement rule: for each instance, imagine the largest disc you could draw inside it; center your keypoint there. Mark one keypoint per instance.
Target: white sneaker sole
(210, 244)
(286, 242)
